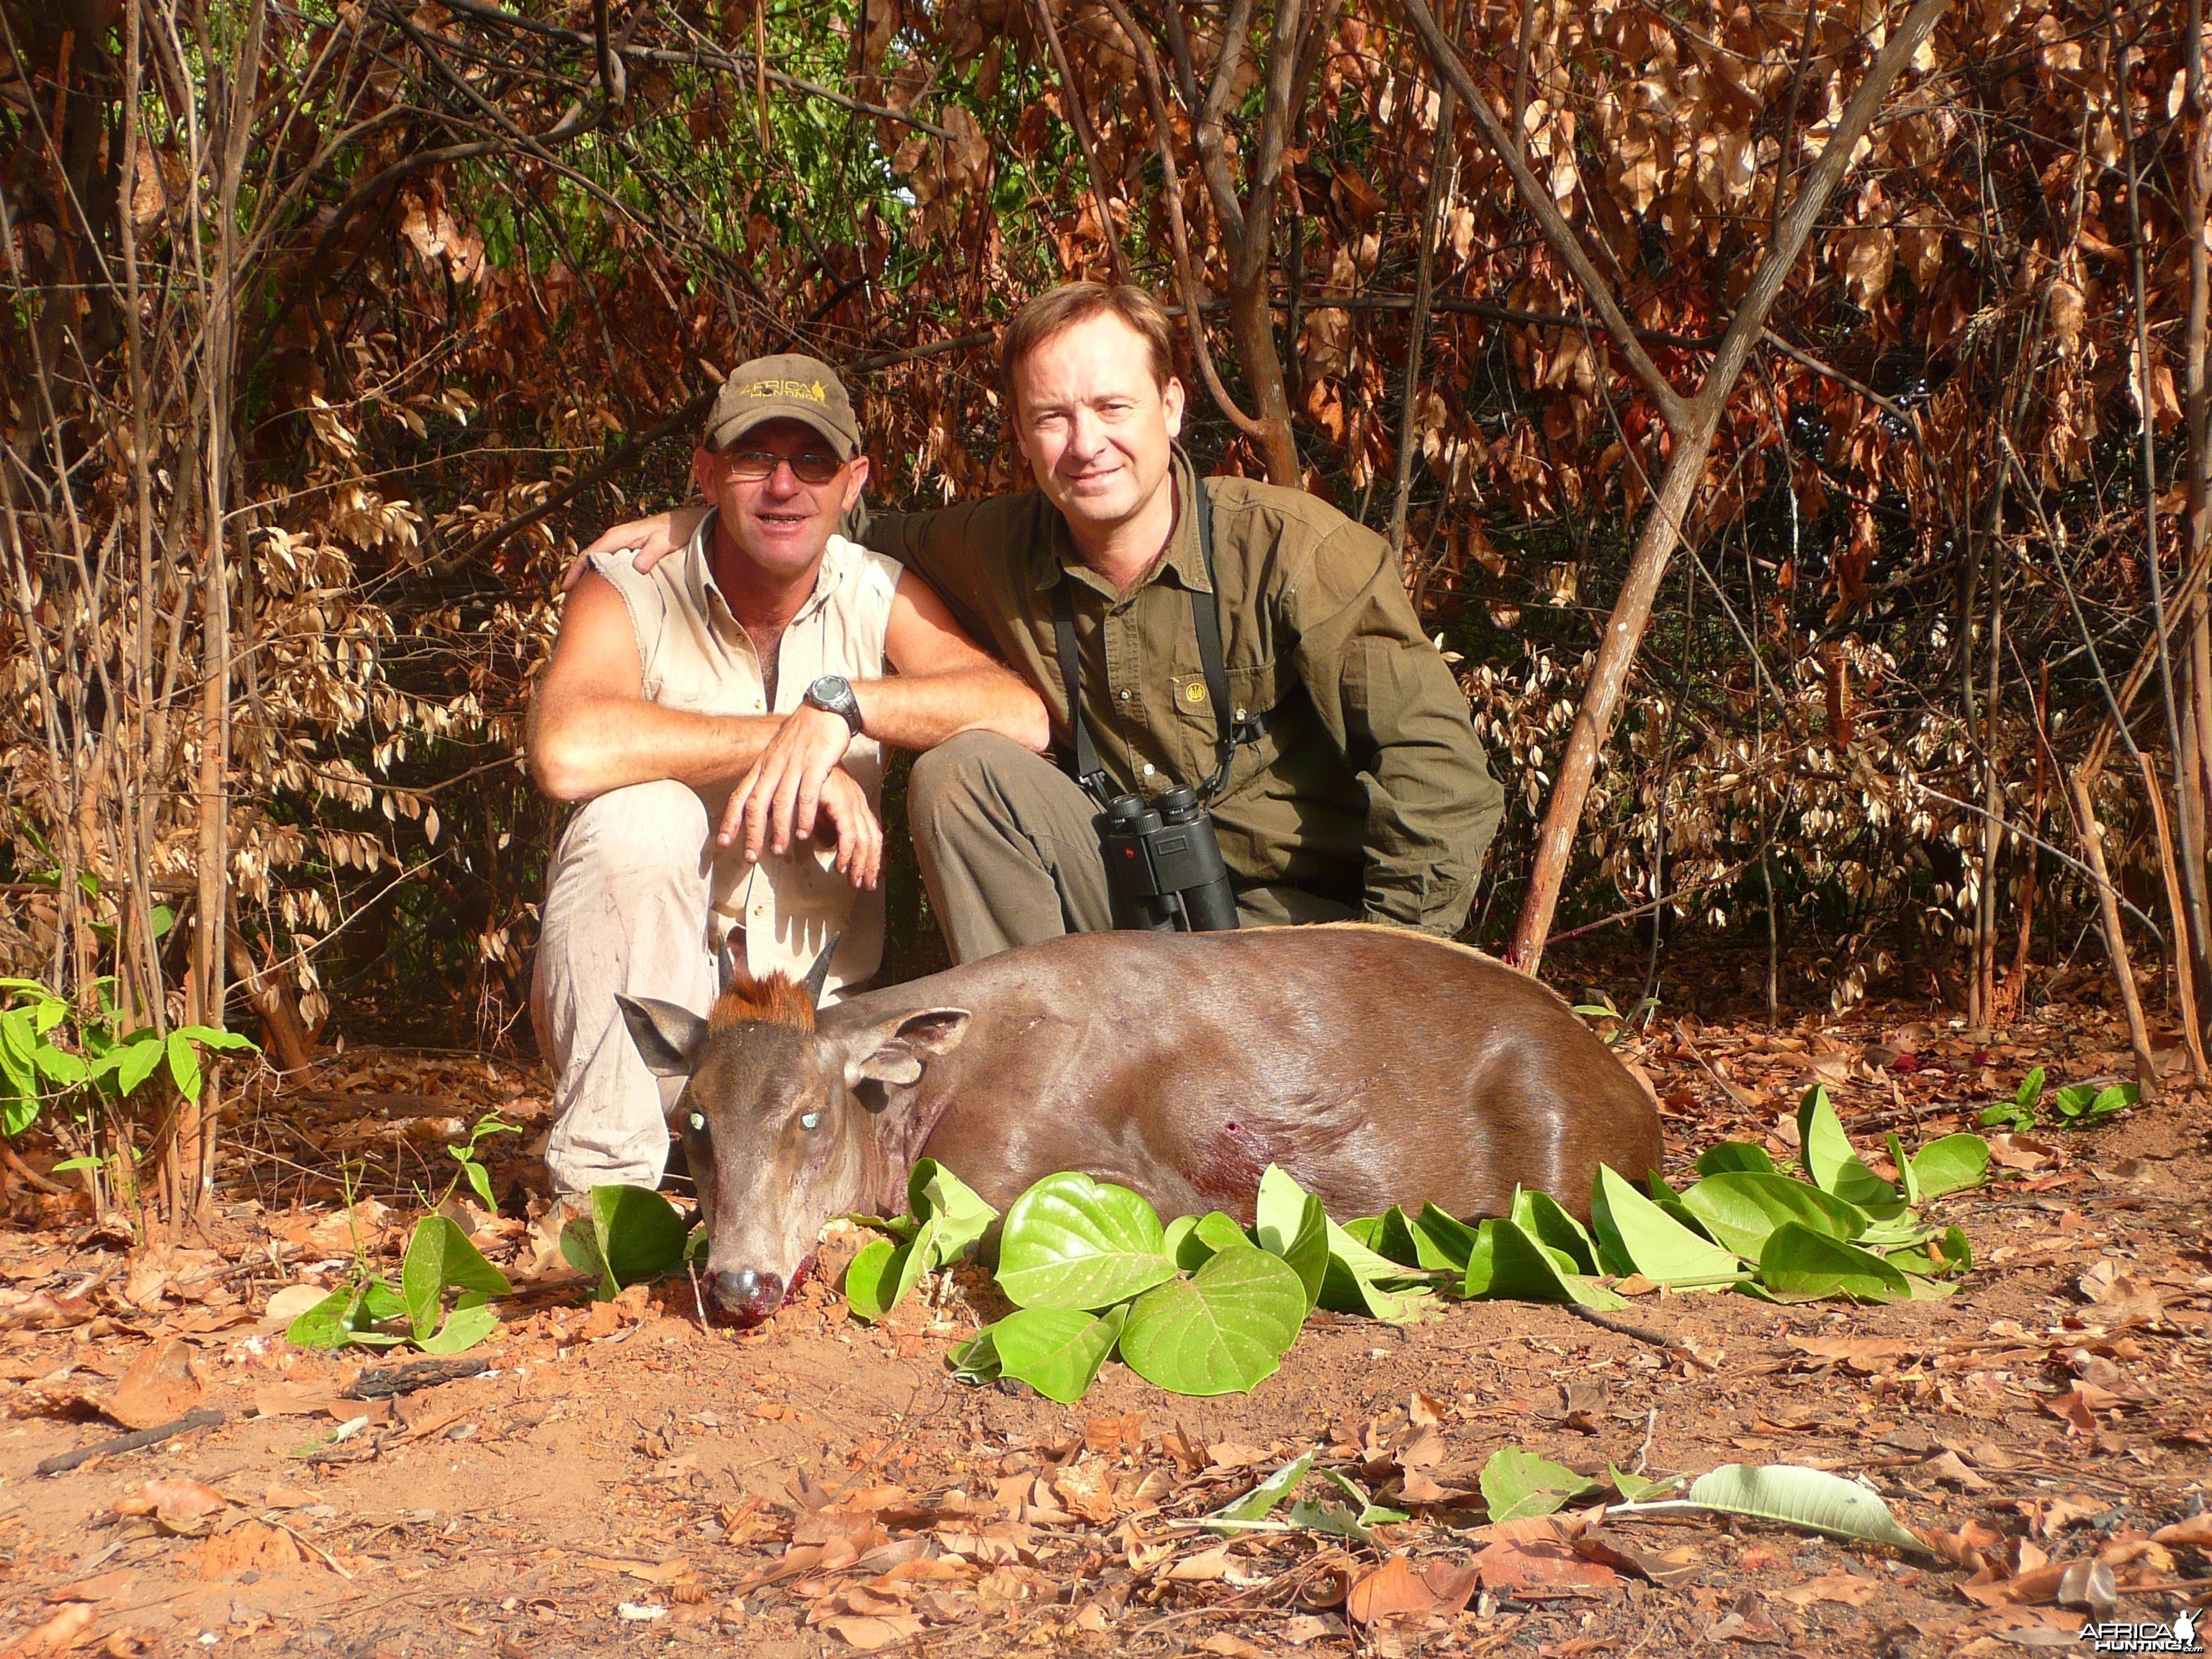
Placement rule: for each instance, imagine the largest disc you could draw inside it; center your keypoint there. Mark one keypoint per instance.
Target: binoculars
(1165, 864)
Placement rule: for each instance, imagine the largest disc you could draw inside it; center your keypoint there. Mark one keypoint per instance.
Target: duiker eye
(811, 1121)
(697, 1122)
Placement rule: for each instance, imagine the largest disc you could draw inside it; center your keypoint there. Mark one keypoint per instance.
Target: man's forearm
(922, 710)
(590, 746)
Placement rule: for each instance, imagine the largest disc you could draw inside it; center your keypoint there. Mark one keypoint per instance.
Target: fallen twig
(206, 1418)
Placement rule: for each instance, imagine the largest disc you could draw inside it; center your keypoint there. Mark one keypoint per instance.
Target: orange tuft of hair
(778, 1001)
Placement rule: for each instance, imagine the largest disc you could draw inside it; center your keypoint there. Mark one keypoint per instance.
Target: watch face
(832, 688)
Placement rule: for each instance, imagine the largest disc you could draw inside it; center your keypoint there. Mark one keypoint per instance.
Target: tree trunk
(2116, 944)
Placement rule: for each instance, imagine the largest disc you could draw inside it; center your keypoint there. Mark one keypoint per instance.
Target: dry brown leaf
(1203, 1568)
(1966, 1547)
(160, 1387)
(1452, 1586)
(2196, 1531)
(296, 1399)
(1522, 1566)
(1951, 1469)
(178, 1505)
(867, 1633)
(1108, 1435)
(1858, 1353)
(105, 1587)
(1529, 1529)
(1837, 1585)
(57, 1635)
(2036, 1588)
(1231, 1647)
(1391, 1591)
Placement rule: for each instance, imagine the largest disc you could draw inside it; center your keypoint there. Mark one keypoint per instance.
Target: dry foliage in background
(1793, 419)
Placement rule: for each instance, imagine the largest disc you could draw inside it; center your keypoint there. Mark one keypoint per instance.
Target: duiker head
(777, 1121)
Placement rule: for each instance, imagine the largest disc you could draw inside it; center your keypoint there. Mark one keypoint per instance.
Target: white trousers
(626, 909)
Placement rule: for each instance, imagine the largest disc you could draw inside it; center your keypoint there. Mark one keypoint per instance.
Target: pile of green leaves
(1834, 1230)
(1202, 1305)
(2078, 1105)
(371, 1313)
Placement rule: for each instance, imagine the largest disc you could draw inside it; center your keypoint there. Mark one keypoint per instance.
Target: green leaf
(1396, 1241)
(479, 1182)
(1516, 1484)
(1358, 1281)
(1056, 1350)
(883, 1275)
(1829, 1159)
(322, 1326)
(139, 1056)
(1290, 1224)
(630, 1235)
(2031, 1091)
(975, 1361)
(1181, 1244)
(1811, 1499)
(208, 1037)
(1073, 1243)
(1908, 1178)
(1451, 1241)
(60, 1065)
(2117, 1098)
(1255, 1505)
(1637, 1231)
(440, 1257)
(1633, 1486)
(1543, 1217)
(1219, 1331)
(68, 1165)
(184, 1065)
(934, 1193)
(1509, 1265)
(1741, 1207)
(1951, 1164)
(1801, 1265)
(1733, 1155)
(378, 1302)
(864, 1279)
(469, 1323)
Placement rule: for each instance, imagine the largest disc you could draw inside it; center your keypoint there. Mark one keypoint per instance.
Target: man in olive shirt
(1365, 794)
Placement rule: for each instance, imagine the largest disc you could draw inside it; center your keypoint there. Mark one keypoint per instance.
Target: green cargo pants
(1010, 856)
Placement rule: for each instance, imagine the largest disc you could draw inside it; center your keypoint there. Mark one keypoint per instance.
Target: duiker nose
(748, 1294)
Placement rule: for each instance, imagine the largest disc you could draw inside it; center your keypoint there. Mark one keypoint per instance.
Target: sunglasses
(811, 466)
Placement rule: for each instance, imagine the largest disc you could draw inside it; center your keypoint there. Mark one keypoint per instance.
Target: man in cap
(1327, 738)
(711, 715)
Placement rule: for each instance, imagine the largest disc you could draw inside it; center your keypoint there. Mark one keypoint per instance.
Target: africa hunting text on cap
(786, 388)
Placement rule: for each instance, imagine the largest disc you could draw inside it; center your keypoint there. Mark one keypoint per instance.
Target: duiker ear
(893, 1051)
(667, 1036)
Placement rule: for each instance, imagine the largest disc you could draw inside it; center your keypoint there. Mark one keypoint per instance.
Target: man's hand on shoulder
(650, 539)
(776, 802)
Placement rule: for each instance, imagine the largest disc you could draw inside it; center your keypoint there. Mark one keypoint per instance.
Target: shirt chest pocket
(1252, 691)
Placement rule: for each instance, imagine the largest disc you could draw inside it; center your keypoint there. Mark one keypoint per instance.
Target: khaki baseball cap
(790, 387)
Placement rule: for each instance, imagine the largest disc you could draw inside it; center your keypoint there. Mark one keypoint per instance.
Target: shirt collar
(1184, 560)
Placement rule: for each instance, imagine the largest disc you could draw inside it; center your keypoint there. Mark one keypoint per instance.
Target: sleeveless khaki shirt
(697, 656)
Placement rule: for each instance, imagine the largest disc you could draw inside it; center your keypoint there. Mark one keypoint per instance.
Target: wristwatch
(835, 693)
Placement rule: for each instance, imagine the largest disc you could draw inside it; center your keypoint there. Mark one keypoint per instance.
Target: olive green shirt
(1369, 787)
